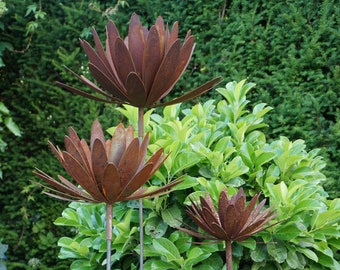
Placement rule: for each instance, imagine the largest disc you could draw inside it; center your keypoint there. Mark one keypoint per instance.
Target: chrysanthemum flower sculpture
(141, 69)
(106, 171)
(233, 221)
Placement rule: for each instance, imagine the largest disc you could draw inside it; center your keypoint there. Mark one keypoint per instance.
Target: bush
(216, 145)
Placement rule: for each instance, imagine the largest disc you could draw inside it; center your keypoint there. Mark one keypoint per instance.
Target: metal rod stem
(140, 202)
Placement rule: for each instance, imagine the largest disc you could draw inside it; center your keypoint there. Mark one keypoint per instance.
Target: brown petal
(56, 184)
(152, 58)
(81, 93)
(108, 83)
(117, 145)
(199, 220)
(230, 219)
(222, 205)
(85, 81)
(173, 36)
(77, 153)
(194, 93)
(94, 58)
(143, 150)
(129, 136)
(82, 148)
(144, 193)
(157, 160)
(101, 53)
(194, 233)
(136, 42)
(128, 164)
(184, 58)
(80, 175)
(122, 60)
(137, 181)
(164, 74)
(111, 183)
(96, 133)
(136, 90)
(160, 28)
(99, 162)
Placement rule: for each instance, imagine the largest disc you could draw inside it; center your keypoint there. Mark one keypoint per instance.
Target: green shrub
(217, 145)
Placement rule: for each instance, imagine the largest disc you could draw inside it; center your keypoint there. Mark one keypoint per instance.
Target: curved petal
(136, 41)
(107, 83)
(128, 164)
(76, 151)
(99, 161)
(117, 146)
(152, 58)
(135, 90)
(111, 183)
(164, 74)
(173, 36)
(82, 93)
(122, 60)
(184, 58)
(144, 193)
(80, 175)
(96, 133)
(137, 181)
(194, 93)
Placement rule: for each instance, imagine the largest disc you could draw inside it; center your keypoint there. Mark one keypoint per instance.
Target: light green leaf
(172, 216)
(287, 232)
(278, 251)
(167, 249)
(9, 123)
(3, 109)
(308, 253)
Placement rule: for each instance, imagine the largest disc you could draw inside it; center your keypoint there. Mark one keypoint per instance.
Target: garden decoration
(139, 70)
(233, 221)
(107, 171)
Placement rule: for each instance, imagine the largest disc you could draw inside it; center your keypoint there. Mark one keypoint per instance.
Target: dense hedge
(289, 49)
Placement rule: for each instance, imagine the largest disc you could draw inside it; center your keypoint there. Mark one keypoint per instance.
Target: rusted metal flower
(107, 171)
(233, 221)
(141, 69)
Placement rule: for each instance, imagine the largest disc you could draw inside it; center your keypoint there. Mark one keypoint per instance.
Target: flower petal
(136, 41)
(80, 175)
(99, 161)
(122, 60)
(108, 83)
(118, 145)
(152, 58)
(128, 164)
(136, 90)
(111, 183)
(194, 93)
(137, 181)
(164, 74)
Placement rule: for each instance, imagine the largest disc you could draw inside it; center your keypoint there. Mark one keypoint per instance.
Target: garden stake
(233, 221)
(109, 217)
(140, 203)
(106, 171)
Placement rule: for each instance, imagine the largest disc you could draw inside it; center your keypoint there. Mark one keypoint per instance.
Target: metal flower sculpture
(233, 221)
(106, 171)
(141, 69)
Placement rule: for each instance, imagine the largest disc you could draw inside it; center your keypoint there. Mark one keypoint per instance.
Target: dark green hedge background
(290, 49)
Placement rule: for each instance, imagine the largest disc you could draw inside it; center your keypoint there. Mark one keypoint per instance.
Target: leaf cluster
(221, 145)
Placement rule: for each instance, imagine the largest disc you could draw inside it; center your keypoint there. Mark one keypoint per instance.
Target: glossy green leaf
(167, 249)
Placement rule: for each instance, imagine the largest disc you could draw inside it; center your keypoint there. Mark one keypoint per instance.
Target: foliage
(219, 145)
(6, 120)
